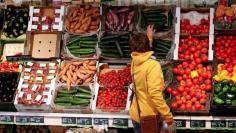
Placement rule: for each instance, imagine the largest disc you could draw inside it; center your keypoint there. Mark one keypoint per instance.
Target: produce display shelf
(112, 120)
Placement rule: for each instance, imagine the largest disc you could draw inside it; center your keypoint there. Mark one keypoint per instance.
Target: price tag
(100, 121)
(180, 123)
(7, 118)
(84, 121)
(218, 123)
(22, 119)
(36, 119)
(119, 122)
(231, 124)
(197, 124)
(68, 120)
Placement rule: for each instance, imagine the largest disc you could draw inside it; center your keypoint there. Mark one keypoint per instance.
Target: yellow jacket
(149, 83)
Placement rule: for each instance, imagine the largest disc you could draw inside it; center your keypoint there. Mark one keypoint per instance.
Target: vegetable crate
(36, 86)
(77, 47)
(82, 19)
(159, 16)
(15, 23)
(46, 19)
(43, 45)
(115, 46)
(78, 72)
(112, 94)
(179, 38)
(224, 95)
(119, 18)
(9, 82)
(77, 100)
(194, 21)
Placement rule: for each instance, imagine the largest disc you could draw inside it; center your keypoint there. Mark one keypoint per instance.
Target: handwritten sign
(231, 124)
(68, 120)
(84, 121)
(100, 121)
(197, 124)
(36, 119)
(119, 122)
(6, 118)
(218, 123)
(22, 119)
(180, 123)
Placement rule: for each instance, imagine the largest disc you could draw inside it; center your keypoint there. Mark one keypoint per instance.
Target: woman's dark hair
(139, 43)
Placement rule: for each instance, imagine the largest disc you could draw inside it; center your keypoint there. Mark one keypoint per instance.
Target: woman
(148, 80)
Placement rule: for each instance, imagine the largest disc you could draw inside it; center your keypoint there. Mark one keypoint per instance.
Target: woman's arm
(150, 33)
(155, 83)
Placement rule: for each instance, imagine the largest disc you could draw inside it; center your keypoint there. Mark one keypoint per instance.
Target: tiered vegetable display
(120, 18)
(83, 19)
(112, 95)
(187, 27)
(77, 72)
(160, 18)
(115, 45)
(77, 96)
(16, 21)
(80, 46)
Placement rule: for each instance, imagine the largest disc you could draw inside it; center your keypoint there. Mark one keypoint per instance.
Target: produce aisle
(67, 63)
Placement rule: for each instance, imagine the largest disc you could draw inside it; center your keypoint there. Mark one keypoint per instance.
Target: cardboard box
(43, 45)
(104, 68)
(73, 108)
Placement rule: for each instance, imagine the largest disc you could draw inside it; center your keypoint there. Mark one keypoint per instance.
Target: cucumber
(166, 44)
(63, 100)
(87, 46)
(74, 40)
(107, 46)
(170, 18)
(160, 50)
(119, 49)
(157, 20)
(125, 37)
(67, 92)
(109, 37)
(83, 90)
(107, 42)
(73, 47)
(63, 95)
(88, 42)
(157, 45)
(153, 11)
(83, 96)
(162, 54)
(125, 47)
(64, 104)
(94, 38)
(83, 51)
(82, 103)
(113, 55)
(110, 51)
(158, 15)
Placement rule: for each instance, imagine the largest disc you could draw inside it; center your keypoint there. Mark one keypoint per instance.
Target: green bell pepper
(228, 102)
(217, 87)
(230, 96)
(233, 88)
(218, 101)
(234, 102)
(226, 88)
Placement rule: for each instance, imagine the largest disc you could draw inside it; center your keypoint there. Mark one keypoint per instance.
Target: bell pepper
(226, 88)
(223, 73)
(234, 69)
(228, 102)
(218, 101)
(217, 87)
(230, 96)
(219, 67)
(217, 78)
(233, 88)
(233, 78)
(194, 74)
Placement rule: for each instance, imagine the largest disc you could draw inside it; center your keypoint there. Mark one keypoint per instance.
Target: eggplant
(110, 19)
(122, 19)
(115, 18)
(130, 17)
(124, 10)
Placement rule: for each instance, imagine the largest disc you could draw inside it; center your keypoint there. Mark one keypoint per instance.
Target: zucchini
(161, 50)
(88, 42)
(110, 51)
(83, 90)
(74, 40)
(161, 54)
(109, 37)
(107, 47)
(159, 46)
(113, 55)
(83, 96)
(83, 51)
(165, 43)
(89, 38)
(63, 100)
(64, 104)
(63, 95)
(87, 46)
(119, 49)
(67, 92)
(73, 47)
(82, 103)
(150, 12)
(107, 42)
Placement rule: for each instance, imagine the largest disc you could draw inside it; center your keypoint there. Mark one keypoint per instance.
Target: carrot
(77, 63)
(96, 23)
(88, 79)
(90, 72)
(75, 13)
(85, 20)
(92, 68)
(77, 25)
(85, 66)
(63, 71)
(74, 77)
(79, 31)
(89, 21)
(71, 12)
(87, 7)
(80, 75)
(69, 76)
(81, 10)
(86, 76)
(64, 77)
(68, 84)
(76, 18)
(72, 25)
(92, 63)
(89, 13)
(70, 70)
(93, 27)
(82, 71)
(67, 24)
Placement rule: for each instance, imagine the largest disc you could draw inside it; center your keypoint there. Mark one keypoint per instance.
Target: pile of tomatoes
(192, 48)
(186, 27)
(225, 49)
(113, 92)
(194, 82)
(9, 67)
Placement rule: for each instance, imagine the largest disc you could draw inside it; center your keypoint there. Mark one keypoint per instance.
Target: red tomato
(174, 105)
(182, 107)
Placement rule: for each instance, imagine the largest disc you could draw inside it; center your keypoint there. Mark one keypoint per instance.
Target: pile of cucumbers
(77, 96)
(161, 48)
(82, 45)
(161, 20)
(115, 45)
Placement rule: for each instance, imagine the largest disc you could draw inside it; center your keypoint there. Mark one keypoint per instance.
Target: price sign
(232, 124)
(218, 123)
(22, 119)
(84, 121)
(180, 123)
(18, 58)
(6, 118)
(100, 121)
(197, 124)
(68, 120)
(119, 122)
(36, 119)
